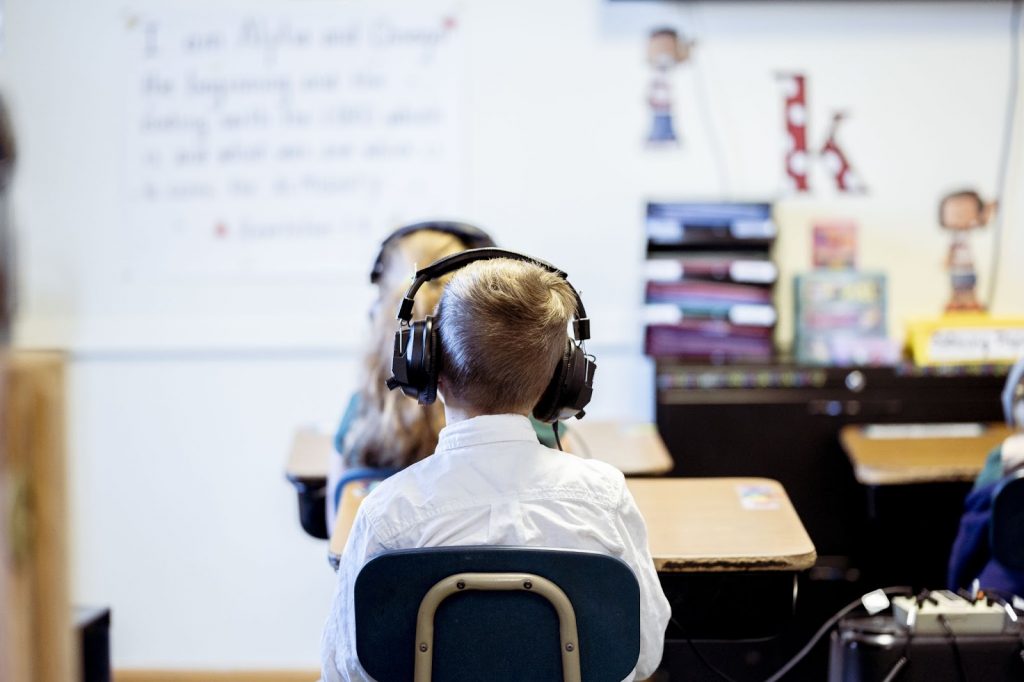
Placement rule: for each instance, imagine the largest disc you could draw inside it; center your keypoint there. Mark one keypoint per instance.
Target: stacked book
(709, 281)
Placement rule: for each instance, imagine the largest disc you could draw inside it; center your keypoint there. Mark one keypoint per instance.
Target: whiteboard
(263, 154)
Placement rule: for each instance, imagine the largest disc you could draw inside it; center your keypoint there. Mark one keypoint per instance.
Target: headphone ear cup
(578, 386)
(431, 362)
(415, 362)
(546, 409)
(570, 388)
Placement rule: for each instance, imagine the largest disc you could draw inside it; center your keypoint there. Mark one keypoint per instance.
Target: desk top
(632, 448)
(722, 524)
(922, 458)
(351, 497)
(309, 455)
(694, 524)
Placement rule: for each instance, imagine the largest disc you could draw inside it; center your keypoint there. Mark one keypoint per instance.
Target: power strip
(964, 617)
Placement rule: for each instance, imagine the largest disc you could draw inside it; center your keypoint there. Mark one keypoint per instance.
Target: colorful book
(738, 267)
(841, 317)
(698, 342)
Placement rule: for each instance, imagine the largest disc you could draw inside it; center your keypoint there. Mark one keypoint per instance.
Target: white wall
(181, 517)
(182, 520)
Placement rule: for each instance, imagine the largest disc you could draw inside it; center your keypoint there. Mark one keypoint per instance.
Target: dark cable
(1004, 154)
(706, 662)
(902, 661)
(704, 106)
(558, 441)
(897, 667)
(951, 636)
(829, 624)
(718, 151)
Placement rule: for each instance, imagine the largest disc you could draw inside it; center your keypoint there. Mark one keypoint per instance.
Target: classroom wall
(182, 521)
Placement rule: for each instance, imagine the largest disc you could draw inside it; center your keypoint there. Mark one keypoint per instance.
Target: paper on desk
(905, 431)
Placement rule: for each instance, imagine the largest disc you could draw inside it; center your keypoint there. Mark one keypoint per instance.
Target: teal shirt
(993, 469)
(545, 435)
(349, 416)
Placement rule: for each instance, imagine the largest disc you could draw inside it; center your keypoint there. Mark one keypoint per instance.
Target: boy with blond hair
(502, 326)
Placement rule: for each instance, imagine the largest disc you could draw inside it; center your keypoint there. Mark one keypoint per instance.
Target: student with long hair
(380, 429)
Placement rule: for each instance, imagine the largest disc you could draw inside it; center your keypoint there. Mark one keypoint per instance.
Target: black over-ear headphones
(416, 362)
(471, 236)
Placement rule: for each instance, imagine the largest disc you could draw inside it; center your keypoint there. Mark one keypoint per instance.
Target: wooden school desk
(901, 454)
(722, 524)
(915, 479)
(727, 550)
(633, 448)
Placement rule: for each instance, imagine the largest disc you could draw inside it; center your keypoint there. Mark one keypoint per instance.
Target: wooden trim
(32, 469)
(216, 676)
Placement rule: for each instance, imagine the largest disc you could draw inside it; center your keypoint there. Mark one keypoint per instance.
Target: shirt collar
(487, 428)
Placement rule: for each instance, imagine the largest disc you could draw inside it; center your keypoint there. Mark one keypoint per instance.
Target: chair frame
(526, 582)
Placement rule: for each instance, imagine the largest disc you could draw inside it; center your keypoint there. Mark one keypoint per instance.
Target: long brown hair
(391, 430)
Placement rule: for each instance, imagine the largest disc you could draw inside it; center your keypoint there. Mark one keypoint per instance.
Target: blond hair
(390, 430)
(503, 328)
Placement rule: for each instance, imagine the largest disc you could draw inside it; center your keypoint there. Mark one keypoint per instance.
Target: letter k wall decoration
(798, 157)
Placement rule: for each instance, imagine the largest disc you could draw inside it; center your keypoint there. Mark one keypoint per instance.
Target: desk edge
(781, 563)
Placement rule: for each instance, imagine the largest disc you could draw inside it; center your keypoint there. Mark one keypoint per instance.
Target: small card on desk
(758, 497)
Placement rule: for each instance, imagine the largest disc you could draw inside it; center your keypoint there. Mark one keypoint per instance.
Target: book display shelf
(709, 282)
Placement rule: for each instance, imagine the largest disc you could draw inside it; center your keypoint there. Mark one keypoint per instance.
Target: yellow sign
(966, 339)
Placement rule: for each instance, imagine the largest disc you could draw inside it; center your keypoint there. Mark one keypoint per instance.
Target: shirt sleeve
(971, 551)
(654, 607)
(339, 661)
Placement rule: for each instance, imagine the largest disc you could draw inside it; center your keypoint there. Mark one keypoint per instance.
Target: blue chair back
(502, 635)
(358, 474)
(1007, 529)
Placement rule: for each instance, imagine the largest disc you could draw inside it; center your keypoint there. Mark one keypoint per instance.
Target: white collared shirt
(491, 483)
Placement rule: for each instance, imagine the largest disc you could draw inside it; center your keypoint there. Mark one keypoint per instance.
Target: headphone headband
(416, 363)
(443, 266)
(471, 237)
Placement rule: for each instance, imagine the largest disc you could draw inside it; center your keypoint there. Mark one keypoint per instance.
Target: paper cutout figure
(795, 104)
(961, 213)
(798, 159)
(836, 161)
(664, 51)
